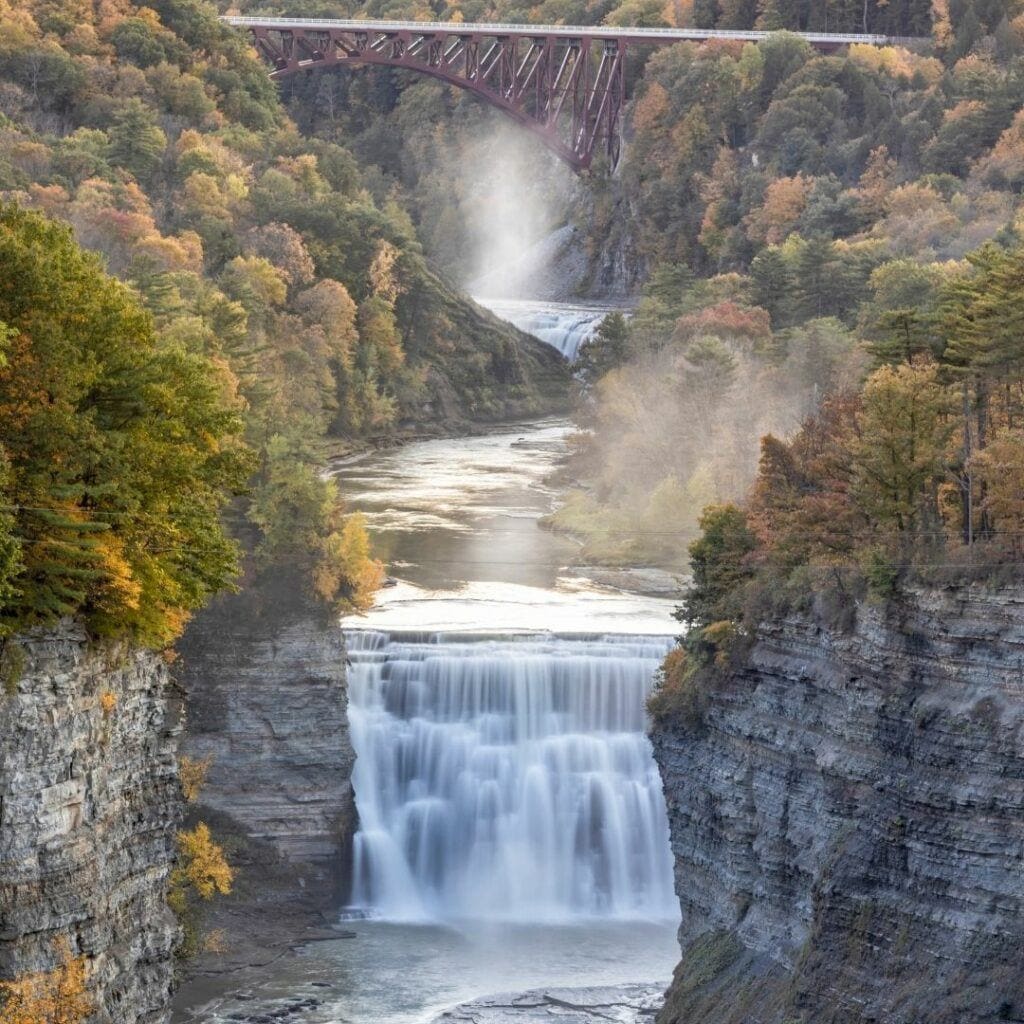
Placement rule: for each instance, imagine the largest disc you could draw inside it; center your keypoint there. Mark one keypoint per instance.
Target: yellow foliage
(382, 278)
(51, 997)
(999, 468)
(192, 772)
(215, 941)
(896, 62)
(651, 109)
(347, 574)
(202, 866)
(942, 27)
(784, 201)
(121, 591)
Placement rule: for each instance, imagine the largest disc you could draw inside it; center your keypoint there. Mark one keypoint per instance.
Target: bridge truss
(565, 84)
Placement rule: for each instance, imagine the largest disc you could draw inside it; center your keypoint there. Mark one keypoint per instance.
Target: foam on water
(507, 778)
(563, 327)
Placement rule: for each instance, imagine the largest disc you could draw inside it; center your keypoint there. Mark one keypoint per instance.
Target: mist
(516, 197)
(677, 427)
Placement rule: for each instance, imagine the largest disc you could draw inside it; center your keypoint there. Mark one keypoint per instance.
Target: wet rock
(622, 1004)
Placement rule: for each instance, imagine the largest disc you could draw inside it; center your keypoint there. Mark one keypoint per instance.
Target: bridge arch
(565, 84)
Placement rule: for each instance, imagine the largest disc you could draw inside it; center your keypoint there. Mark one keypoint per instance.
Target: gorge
(374, 654)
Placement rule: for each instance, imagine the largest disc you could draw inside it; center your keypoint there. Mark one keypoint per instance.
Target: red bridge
(564, 83)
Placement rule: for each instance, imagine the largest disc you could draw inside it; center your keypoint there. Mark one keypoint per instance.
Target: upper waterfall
(507, 778)
(564, 327)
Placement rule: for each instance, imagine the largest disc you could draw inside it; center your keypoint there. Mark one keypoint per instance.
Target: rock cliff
(267, 705)
(848, 821)
(89, 806)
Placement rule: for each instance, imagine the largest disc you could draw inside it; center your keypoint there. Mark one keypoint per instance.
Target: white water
(507, 778)
(562, 326)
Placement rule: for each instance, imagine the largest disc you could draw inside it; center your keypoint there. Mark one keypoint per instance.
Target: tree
(120, 452)
(57, 996)
(900, 453)
(998, 472)
(347, 577)
(604, 351)
(773, 285)
(136, 143)
(720, 562)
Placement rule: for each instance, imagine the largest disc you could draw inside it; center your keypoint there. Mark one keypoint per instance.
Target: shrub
(202, 872)
(192, 772)
(881, 573)
(48, 997)
(677, 698)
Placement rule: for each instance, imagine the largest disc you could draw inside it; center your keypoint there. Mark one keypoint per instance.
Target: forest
(270, 308)
(807, 220)
(801, 220)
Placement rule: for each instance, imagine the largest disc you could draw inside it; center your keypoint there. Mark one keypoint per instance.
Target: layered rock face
(89, 806)
(848, 821)
(267, 705)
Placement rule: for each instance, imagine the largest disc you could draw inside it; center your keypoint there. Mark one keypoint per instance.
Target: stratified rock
(848, 821)
(89, 806)
(268, 705)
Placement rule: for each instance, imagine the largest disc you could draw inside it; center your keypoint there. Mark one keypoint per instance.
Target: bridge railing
(572, 31)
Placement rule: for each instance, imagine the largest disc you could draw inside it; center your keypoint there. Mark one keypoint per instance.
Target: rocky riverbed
(619, 1004)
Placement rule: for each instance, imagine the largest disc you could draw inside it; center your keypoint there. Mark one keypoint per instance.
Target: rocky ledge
(620, 1004)
(89, 806)
(848, 821)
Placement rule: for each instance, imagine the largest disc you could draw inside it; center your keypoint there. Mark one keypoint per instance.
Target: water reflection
(457, 522)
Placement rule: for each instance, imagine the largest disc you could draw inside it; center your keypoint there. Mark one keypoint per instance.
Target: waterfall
(566, 328)
(506, 778)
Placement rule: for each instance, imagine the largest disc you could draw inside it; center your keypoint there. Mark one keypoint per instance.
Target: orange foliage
(1004, 165)
(51, 997)
(651, 110)
(727, 321)
(784, 201)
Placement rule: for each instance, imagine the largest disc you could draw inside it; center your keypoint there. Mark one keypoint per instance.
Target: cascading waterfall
(566, 328)
(506, 778)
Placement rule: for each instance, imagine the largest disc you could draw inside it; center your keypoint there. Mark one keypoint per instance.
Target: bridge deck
(638, 35)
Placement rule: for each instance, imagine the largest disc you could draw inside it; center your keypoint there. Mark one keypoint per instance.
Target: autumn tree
(57, 996)
(900, 452)
(120, 452)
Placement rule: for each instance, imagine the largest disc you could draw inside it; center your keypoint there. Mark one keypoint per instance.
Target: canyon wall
(89, 806)
(268, 708)
(847, 820)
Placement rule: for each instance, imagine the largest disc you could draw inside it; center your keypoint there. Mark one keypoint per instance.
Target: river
(512, 827)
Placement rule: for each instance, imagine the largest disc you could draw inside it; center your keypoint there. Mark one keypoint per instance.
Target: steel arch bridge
(565, 84)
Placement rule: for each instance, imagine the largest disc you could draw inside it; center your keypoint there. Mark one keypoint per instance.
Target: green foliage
(881, 573)
(678, 697)
(136, 143)
(720, 563)
(901, 445)
(277, 284)
(119, 451)
(606, 350)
